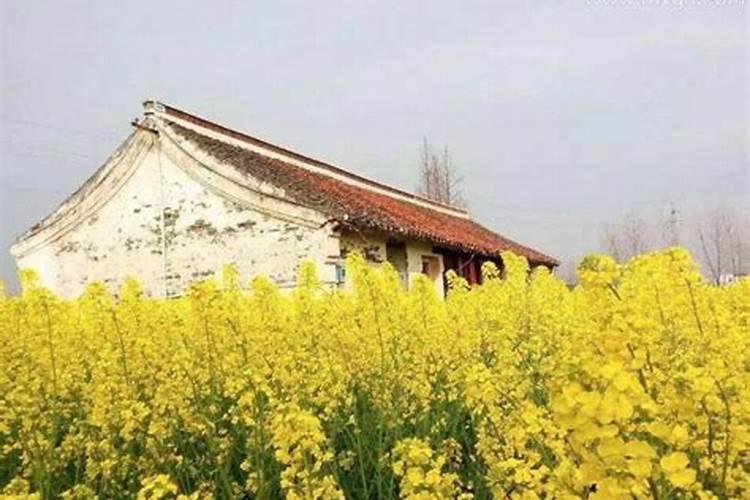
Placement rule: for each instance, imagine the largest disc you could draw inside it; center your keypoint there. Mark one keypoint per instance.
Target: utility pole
(673, 226)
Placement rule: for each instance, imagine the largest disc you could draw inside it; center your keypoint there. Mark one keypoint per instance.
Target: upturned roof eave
(50, 224)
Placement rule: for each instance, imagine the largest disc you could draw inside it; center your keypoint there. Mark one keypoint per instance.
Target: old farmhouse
(184, 196)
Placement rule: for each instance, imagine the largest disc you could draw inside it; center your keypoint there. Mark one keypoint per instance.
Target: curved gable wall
(203, 231)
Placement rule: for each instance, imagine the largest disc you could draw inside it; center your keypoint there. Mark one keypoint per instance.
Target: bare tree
(439, 178)
(627, 238)
(610, 241)
(720, 238)
(723, 241)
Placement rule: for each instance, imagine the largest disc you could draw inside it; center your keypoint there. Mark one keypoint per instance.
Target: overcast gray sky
(561, 115)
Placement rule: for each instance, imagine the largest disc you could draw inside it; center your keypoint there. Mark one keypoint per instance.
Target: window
(340, 274)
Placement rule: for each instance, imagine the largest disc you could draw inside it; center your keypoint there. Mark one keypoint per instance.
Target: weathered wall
(169, 215)
(415, 250)
(374, 248)
(202, 231)
(371, 246)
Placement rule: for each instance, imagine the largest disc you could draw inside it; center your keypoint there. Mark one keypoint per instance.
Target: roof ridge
(154, 106)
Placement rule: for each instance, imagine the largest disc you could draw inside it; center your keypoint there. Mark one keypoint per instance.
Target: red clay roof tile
(361, 207)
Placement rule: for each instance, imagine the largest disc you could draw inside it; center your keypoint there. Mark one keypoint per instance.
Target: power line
(35, 151)
(58, 128)
(45, 157)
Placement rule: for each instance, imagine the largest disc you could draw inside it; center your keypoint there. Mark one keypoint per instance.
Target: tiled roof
(359, 206)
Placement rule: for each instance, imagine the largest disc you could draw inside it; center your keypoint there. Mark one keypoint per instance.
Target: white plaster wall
(204, 231)
(116, 241)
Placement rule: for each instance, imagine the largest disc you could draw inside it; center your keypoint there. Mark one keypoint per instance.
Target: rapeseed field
(635, 384)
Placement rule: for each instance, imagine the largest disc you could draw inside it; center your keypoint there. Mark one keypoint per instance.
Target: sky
(561, 115)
